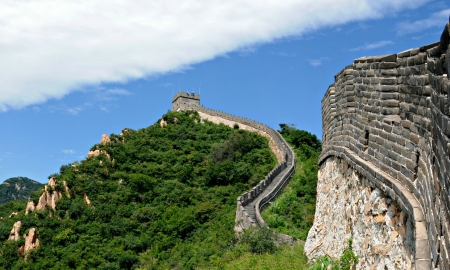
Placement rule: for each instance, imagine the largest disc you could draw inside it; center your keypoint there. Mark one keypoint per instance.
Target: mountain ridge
(17, 188)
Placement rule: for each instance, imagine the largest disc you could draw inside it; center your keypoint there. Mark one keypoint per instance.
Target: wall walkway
(251, 203)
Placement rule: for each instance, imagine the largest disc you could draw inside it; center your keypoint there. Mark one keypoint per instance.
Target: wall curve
(388, 117)
(251, 203)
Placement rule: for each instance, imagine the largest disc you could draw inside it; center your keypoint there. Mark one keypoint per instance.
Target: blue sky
(71, 73)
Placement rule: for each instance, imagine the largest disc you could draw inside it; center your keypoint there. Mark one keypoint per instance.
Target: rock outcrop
(105, 139)
(50, 196)
(163, 123)
(14, 234)
(30, 207)
(97, 152)
(31, 241)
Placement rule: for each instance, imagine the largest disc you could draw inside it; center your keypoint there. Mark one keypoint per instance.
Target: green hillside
(292, 212)
(17, 188)
(160, 198)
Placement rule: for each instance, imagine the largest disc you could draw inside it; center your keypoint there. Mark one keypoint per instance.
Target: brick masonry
(388, 117)
(269, 187)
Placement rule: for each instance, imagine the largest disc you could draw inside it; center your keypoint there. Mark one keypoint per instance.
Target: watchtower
(185, 101)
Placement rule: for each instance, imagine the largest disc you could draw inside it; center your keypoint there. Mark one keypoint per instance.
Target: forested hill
(162, 197)
(17, 188)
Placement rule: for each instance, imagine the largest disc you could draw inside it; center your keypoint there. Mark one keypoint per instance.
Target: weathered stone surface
(30, 207)
(31, 241)
(14, 234)
(381, 249)
(412, 90)
(97, 152)
(163, 123)
(105, 139)
(359, 210)
(49, 197)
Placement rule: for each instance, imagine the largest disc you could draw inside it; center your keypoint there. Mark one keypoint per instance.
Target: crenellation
(406, 156)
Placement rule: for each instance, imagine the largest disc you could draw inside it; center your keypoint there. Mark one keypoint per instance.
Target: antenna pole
(200, 88)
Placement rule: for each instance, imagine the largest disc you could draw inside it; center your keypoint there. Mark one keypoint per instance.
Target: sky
(74, 70)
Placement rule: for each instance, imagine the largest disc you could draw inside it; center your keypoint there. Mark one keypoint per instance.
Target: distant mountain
(17, 188)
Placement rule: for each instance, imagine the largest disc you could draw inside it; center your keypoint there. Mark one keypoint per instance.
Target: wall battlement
(388, 117)
(251, 203)
(185, 100)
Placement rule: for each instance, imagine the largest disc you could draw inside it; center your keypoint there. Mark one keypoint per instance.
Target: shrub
(260, 240)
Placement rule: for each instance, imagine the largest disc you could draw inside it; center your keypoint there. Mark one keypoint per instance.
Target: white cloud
(49, 48)
(438, 19)
(374, 45)
(317, 62)
(68, 151)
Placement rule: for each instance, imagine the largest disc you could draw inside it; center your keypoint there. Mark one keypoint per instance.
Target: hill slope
(160, 197)
(17, 188)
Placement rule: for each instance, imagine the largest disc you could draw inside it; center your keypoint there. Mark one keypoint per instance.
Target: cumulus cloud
(437, 19)
(50, 48)
(317, 62)
(374, 45)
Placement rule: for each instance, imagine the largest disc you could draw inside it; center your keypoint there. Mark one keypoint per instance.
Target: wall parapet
(251, 203)
(389, 116)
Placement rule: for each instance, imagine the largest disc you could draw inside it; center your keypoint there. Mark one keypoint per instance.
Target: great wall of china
(249, 204)
(384, 170)
(384, 173)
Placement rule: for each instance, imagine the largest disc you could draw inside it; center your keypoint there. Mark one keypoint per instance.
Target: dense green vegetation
(292, 212)
(161, 198)
(284, 258)
(347, 260)
(165, 198)
(17, 188)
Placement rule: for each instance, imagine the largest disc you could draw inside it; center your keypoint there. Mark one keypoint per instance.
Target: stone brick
(387, 65)
(388, 81)
(421, 102)
(414, 138)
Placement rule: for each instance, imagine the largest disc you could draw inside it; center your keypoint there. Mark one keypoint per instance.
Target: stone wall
(258, 195)
(388, 117)
(228, 121)
(184, 100)
(350, 206)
